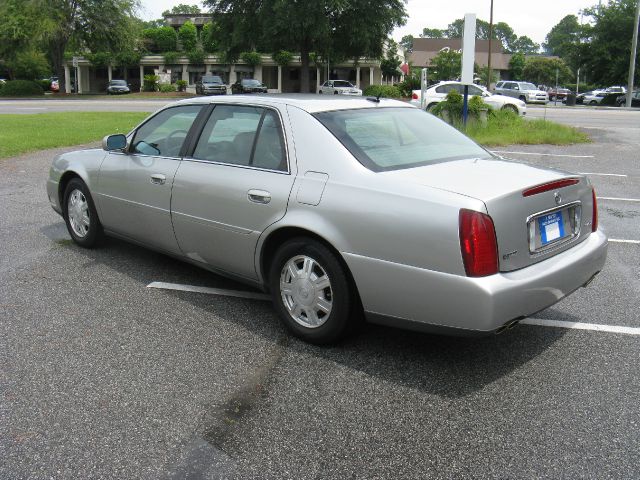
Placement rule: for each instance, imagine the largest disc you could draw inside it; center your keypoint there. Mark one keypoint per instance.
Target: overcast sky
(533, 18)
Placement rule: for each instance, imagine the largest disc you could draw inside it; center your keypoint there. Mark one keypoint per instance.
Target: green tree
(334, 28)
(30, 65)
(609, 46)
(525, 45)
(447, 65)
(96, 25)
(406, 43)
(209, 36)
(182, 9)
(390, 63)
(516, 65)
(542, 70)
(432, 33)
(188, 36)
(161, 39)
(563, 37)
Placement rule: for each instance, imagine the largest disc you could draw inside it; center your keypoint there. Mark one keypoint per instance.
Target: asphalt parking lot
(103, 377)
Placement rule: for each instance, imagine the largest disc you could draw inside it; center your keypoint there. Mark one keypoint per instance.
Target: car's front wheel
(312, 292)
(80, 215)
(523, 98)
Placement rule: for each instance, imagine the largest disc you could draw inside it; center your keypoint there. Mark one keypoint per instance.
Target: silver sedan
(338, 207)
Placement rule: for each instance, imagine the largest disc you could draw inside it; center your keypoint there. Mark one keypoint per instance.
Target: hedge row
(384, 91)
(21, 88)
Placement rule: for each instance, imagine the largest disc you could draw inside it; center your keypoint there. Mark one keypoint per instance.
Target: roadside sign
(75, 62)
(468, 48)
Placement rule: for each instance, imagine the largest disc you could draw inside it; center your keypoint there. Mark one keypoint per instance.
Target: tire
(335, 93)
(523, 98)
(320, 283)
(320, 92)
(593, 102)
(430, 107)
(80, 215)
(512, 108)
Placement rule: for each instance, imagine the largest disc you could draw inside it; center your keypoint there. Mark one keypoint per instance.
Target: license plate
(551, 227)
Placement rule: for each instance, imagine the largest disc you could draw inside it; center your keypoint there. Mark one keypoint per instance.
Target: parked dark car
(118, 86)
(621, 101)
(248, 85)
(211, 85)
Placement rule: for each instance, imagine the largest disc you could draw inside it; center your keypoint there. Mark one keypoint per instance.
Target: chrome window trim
(282, 130)
(554, 245)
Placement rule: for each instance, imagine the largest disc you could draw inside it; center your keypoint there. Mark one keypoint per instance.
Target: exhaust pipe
(509, 325)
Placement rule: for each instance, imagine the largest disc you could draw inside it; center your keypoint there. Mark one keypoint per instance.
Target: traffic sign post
(468, 59)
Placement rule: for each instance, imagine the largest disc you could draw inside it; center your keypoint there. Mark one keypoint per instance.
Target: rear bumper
(427, 300)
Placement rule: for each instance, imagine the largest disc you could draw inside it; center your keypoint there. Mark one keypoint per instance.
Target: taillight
(594, 218)
(414, 96)
(478, 243)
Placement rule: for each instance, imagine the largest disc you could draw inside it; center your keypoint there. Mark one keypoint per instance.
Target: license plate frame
(554, 227)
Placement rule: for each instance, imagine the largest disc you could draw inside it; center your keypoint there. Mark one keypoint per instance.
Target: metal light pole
(632, 61)
(490, 38)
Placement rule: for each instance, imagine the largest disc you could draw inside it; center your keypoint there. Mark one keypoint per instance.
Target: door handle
(158, 179)
(259, 196)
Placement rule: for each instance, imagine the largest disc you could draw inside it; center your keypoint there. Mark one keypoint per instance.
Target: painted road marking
(209, 291)
(603, 174)
(543, 154)
(616, 199)
(617, 240)
(581, 326)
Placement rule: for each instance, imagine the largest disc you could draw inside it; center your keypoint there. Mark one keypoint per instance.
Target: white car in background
(437, 93)
(339, 87)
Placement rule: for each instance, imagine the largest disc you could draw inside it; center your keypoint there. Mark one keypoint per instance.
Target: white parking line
(603, 174)
(209, 291)
(581, 326)
(616, 199)
(617, 240)
(542, 154)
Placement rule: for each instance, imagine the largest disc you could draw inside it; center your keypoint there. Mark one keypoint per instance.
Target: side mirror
(114, 142)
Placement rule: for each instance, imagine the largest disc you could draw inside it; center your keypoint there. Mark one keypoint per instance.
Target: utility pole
(489, 57)
(632, 61)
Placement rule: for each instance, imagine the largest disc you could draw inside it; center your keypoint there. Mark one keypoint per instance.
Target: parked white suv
(525, 91)
(437, 93)
(339, 87)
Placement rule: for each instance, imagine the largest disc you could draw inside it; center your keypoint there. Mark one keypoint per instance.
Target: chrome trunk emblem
(558, 198)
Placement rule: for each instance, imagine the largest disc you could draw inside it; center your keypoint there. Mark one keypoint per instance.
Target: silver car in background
(524, 91)
(339, 206)
(339, 87)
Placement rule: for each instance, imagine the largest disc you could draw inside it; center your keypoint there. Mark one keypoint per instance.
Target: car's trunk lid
(528, 228)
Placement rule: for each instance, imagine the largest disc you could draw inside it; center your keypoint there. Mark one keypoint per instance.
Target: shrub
(385, 91)
(21, 88)
(44, 84)
(282, 58)
(170, 58)
(410, 83)
(150, 83)
(188, 36)
(210, 33)
(454, 104)
(167, 87)
(610, 99)
(251, 58)
(181, 85)
(127, 59)
(196, 57)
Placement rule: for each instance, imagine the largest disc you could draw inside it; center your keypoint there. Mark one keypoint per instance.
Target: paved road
(102, 377)
(106, 105)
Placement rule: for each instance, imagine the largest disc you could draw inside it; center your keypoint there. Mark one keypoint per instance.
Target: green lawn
(505, 128)
(28, 133)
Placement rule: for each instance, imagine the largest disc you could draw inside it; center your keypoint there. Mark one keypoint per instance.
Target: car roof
(311, 103)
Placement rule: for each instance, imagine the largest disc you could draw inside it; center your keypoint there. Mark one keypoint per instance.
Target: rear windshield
(385, 139)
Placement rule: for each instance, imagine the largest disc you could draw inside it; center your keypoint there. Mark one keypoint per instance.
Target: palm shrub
(181, 85)
(150, 83)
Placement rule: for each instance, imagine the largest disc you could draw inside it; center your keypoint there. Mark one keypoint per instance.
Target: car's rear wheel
(312, 292)
(335, 93)
(593, 102)
(80, 215)
(431, 106)
(512, 108)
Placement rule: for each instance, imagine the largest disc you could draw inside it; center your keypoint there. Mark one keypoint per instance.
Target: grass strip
(31, 132)
(506, 128)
